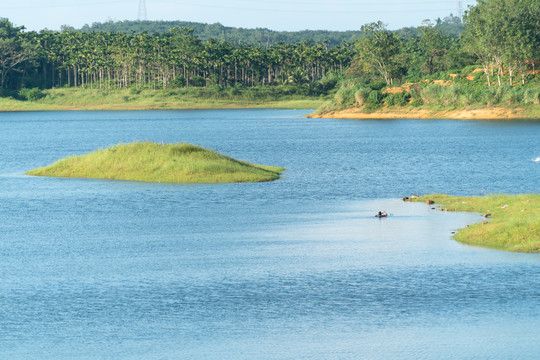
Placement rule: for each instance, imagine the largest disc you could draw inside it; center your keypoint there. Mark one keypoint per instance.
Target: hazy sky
(273, 14)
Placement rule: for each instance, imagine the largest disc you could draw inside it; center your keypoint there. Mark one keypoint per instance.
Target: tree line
(263, 37)
(502, 36)
(237, 36)
(48, 59)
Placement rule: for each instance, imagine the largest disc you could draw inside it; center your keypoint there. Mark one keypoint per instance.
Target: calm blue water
(294, 269)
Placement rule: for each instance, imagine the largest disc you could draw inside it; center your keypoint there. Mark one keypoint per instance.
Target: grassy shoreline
(165, 163)
(512, 221)
(180, 99)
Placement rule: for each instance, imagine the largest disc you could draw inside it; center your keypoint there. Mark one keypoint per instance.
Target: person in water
(381, 214)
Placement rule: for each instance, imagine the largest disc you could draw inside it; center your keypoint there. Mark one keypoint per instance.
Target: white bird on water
(537, 159)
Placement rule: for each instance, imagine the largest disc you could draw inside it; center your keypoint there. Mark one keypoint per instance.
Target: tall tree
(504, 34)
(12, 54)
(379, 49)
(434, 45)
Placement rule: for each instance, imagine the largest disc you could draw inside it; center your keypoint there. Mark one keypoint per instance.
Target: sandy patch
(492, 113)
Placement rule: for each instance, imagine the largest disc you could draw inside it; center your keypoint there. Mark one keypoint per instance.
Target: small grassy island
(514, 224)
(166, 163)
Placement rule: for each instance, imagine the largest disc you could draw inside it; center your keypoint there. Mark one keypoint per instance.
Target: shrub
(328, 82)
(417, 102)
(375, 97)
(235, 91)
(398, 99)
(466, 99)
(197, 81)
(491, 95)
(512, 95)
(178, 82)
(345, 96)
(30, 94)
(532, 96)
(430, 94)
(449, 95)
(361, 95)
(374, 100)
(5, 93)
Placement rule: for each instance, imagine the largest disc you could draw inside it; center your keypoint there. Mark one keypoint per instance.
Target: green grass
(166, 163)
(188, 98)
(514, 224)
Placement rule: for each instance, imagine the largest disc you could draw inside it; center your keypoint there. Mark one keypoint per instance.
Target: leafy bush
(430, 94)
(513, 96)
(361, 95)
(178, 82)
(417, 102)
(449, 95)
(327, 82)
(197, 81)
(491, 95)
(374, 100)
(532, 96)
(398, 99)
(30, 94)
(375, 97)
(466, 99)
(235, 91)
(345, 96)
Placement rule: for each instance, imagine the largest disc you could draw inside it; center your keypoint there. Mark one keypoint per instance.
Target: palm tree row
(159, 61)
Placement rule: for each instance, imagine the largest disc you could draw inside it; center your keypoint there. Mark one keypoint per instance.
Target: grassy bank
(186, 98)
(435, 112)
(514, 224)
(167, 163)
(462, 94)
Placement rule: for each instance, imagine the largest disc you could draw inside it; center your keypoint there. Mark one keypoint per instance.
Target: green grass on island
(166, 163)
(512, 221)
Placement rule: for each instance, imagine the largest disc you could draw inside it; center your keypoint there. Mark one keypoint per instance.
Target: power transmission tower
(460, 9)
(142, 10)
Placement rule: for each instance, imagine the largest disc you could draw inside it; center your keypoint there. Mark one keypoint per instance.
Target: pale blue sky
(273, 14)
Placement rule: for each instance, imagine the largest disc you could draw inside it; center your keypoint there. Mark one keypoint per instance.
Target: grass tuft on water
(512, 221)
(166, 163)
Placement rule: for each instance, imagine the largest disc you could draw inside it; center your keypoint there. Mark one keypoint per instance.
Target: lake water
(293, 269)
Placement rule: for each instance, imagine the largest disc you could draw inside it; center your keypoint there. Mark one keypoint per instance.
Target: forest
(240, 36)
(500, 37)
(157, 61)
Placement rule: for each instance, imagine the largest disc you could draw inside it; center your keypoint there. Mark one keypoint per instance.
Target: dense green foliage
(237, 36)
(161, 61)
(111, 55)
(260, 36)
(168, 163)
(437, 63)
(515, 224)
(500, 44)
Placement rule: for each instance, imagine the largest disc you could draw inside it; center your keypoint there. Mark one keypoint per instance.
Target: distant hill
(266, 37)
(230, 34)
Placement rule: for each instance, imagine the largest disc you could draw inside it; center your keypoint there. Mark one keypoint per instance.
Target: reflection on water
(294, 269)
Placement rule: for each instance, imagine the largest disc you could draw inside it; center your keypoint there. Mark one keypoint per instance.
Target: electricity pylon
(460, 9)
(142, 10)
